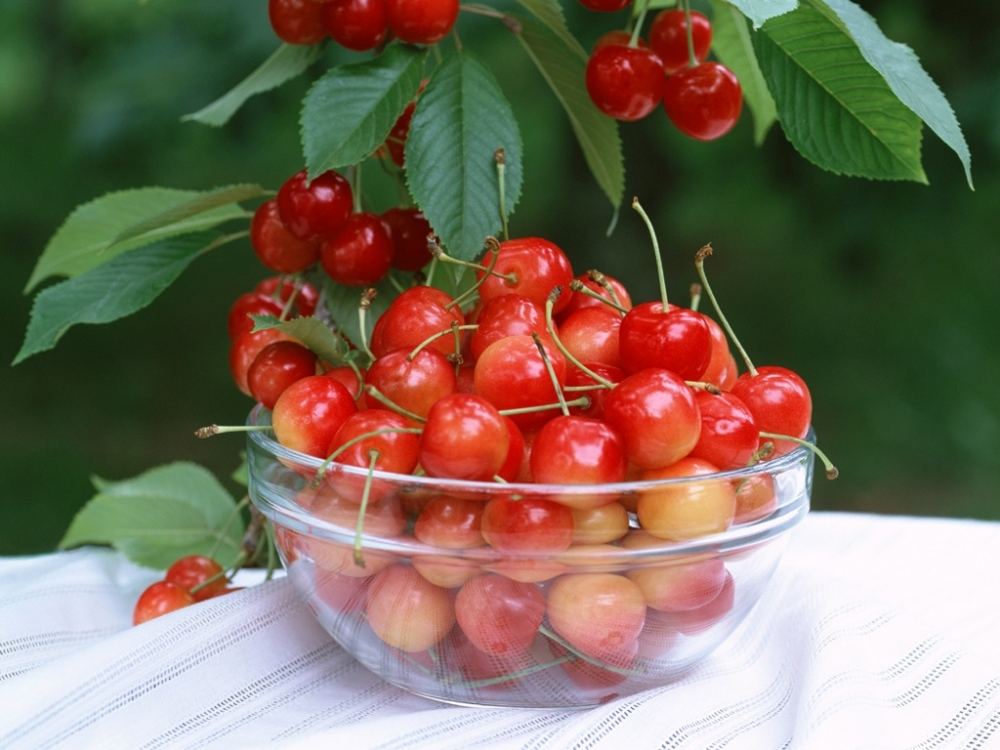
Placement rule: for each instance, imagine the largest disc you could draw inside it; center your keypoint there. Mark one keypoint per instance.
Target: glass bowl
(468, 623)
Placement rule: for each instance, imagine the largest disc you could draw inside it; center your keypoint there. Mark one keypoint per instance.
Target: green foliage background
(884, 296)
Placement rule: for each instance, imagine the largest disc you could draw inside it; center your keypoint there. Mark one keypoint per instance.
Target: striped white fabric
(878, 632)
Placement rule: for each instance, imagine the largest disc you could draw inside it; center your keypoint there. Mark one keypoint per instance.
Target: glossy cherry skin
(309, 413)
(498, 615)
(600, 614)
(159, 599)
(703, 102)
(511, 374)
(678, 340)
(729, 432)
(534, 267)
(313, 209)
(690, 509)
(578, 450)
(392, 450)
(414, 316)
(605, 6)
(415, 384)
(250, 303)
(721, 370)
(194, 570)
(624, 82)
(655, 412)
(407, 611)
(359, 25)
(780, 402)
(276, 367)
(464, 438)
(577, 377)
(359, 253)
(421, 21)
(529, 525)
(306, 295)
(297, 21)
(668, 38)
(243, 350)
(592, 335)
(408, 228)
(450, 523)
(507, 315)
(275, 246)
(581, 300)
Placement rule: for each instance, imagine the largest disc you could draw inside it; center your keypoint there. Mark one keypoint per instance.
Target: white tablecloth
(878, 632)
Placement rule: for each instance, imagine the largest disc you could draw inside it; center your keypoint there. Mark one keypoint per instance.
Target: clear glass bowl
(477, 626)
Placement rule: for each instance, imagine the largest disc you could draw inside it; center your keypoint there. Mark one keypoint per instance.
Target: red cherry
(668, 38)
(450, 522)
(421, 21)
(780, 402)
(577, 377)
(511, 374)
(193, 570)
(507, 315)
(729, 433)
(395, 142)
(352, 379)
(578, 450)
(359, 25)
(408, 229)
(592, 335)
(359, 253)
(704, 102)
(532, 524)
(158, 599)
(276, 367)
(677, 339)
(306, 295)
(309, 413)
(656, 413)
(275, 246)
(533, 267)
(606, 6)
(512, 465)
(397, 449)
(624, 82)
(414, 384)
(498, 615)
(312, 209)
(721, 370)
(464, 437)
(413, 317)
(244, 350)
(251, 303)
(581, 300)
(297, 21)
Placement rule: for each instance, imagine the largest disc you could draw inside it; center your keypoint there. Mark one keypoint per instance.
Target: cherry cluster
(628, 77)
(193, 578)
(362, 25)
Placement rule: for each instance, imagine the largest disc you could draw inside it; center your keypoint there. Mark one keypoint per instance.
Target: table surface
(877, 632)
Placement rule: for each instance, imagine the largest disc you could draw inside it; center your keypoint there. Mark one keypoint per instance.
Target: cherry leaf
(462, 119)
(286, 63)
(759, 11)
(312, 332)
(350, 110)
(111, 291)
(550, 14)
(161, 515)
(835, 108)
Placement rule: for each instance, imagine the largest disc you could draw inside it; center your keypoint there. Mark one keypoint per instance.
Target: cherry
(414, 383)
(396, 447)
(251, 303)
(297, 21)
(511, 374)
(464, 437)
(312, 209)
(721, 370)
(408, 228)
(499, 616)
(275, 246)
(352, 379)
(703, 102)
(158, 599)
(592, 335)
(282, 288)
(358, 25)
(413, 317)
(194, 570)
(599, 614)
(359, 252)
(729, 434)
(309, 412)
(532, 525)
(756, 498)
(395, 142)
(580, 300)
(779, 401)
(694, 621)
(655, 412)
(530, 266)
(507, 315)
(605, 6)
(687, 510)
(244, 350)
(623, 81)
(450, 522)
(672, 338)
(407, 611)
(577, 378)
(276, 367)
(669, 39)
(678, 584)
(578, 450)
(598, 526)
(421, 21)
(516, 458)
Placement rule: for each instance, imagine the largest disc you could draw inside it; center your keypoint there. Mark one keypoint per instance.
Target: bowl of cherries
(537, 495)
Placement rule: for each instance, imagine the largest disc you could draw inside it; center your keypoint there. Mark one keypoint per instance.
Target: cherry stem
(492, 246)
(599, 278)
(552, 373)
(373, 457)
(699, 264)
(580, 655)
(452, 330)
(710, 387)
(376, 394)
(550, 326)
(695, 296)
(831, 470)
(634, 40)
(578, 286)
(499, 679)
(761, 454)
(438, 252)
(656, 251)
(286, 310)
(356, 187)
(500, 158)
(367, 296)
(324, 467)
(692, 59)
(240, 559)
(215, 429)
(583, 402)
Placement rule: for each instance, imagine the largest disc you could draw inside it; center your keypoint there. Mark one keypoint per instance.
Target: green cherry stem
(215, 429)
(492, 246)
(325, 466)
(552, 373)
(583, 402)
(692, 59)
(367, 296)
(550, 326)
(373, 457)
(438, 252)
(450, 331)
(580, 655)
(656, 251)
(221, 534)
(695, 296)
(634, 40)
(831, 471)
(699, 264)
(500, 158)
(376, 394)
(578, 286)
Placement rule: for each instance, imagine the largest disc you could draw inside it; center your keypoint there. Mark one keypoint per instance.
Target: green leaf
(350, 110)
(286, 63)
(342, 302)
(118, 288)
(312, 332)
(836, 110)
(733, 46)
(596, 133)
(759, 11)
(90, 235)
(550, 14)
(902, 71)
(463, 118)
(161, 515)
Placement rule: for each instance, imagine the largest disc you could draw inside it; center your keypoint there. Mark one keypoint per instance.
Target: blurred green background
(884, 296)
